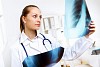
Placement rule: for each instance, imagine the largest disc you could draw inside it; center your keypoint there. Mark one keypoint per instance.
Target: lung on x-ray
(77, 18)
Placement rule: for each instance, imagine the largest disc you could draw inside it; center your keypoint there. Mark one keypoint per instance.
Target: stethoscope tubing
(45, 39)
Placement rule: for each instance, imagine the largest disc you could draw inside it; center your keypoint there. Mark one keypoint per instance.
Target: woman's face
(33, 18)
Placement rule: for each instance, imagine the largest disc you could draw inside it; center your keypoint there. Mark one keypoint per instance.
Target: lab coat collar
(24, 38)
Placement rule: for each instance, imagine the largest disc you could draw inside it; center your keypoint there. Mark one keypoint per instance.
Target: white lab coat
(36, 46)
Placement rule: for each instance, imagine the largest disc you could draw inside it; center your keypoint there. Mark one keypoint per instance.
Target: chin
(37, 28)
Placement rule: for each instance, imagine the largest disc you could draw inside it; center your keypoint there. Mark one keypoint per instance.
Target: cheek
(30, 24)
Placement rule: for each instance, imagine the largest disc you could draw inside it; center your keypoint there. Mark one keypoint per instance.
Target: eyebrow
(36, 14)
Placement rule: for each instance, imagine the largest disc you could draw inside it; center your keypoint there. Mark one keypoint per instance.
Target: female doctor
(34, 49)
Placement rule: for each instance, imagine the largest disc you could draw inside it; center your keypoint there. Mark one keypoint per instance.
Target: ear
(23, 18)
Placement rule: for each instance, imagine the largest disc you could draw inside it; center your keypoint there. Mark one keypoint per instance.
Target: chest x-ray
(77, 18)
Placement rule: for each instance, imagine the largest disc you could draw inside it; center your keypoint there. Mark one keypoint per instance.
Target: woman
(38, 50)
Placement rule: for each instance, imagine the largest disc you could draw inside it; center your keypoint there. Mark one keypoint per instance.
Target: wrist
(87, 36)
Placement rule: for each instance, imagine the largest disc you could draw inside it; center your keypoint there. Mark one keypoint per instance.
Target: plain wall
(12, 11)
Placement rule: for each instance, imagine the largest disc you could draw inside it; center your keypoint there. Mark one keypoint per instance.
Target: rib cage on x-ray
(77, 12)
(77, 18)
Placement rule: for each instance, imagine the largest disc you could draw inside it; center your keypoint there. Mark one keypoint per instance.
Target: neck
(30, 34)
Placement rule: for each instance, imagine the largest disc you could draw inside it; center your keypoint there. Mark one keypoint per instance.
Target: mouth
(37, 25)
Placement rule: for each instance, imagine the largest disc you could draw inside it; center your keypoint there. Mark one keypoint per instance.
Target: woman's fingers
(91, 28)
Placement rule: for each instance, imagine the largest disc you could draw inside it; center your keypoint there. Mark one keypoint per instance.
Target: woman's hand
(91, 29)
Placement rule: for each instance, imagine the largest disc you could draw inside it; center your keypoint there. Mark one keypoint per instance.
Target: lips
(37, 25)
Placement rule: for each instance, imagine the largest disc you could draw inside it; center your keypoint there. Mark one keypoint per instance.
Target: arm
(80, 46)
(78, 49)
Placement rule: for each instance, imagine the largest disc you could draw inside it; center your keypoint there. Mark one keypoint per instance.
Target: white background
(12, 11)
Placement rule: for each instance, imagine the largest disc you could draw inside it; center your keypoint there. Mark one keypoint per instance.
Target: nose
(39, 19)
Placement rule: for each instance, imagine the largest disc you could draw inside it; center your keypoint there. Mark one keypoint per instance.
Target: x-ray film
(47, 59)
(77, 18)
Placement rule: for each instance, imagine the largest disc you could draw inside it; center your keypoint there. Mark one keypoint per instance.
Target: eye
(40, 16)
(34, 16)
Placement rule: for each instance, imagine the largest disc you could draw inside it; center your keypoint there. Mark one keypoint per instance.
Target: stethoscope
(45, 39)
(45, 59)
